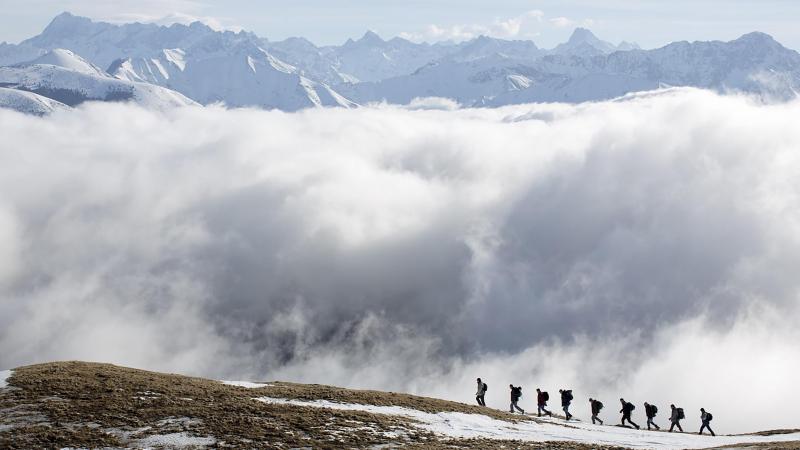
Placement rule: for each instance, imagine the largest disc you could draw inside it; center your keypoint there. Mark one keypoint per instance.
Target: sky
(650, 23)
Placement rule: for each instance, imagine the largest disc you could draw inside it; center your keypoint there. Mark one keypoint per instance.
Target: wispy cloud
(164, 12)
(561, 22)
(216, 23)
(524, 25)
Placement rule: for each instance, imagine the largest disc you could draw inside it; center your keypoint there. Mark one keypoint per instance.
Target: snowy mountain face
(468, 82)
(242, 69)
(102, 43)
(754, 63)
(371, 59)
(242, 75)
(68, 79)
(367, 59)
(202, 64)
(28, 102)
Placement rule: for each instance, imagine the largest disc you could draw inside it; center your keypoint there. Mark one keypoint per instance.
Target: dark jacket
(565, 398)
(627, 408)
(595, 407)
(540, 398)
(516, 393)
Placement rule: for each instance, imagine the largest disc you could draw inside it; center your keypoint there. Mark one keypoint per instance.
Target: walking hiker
(650, 411)
(596, 405)
(516, 394)
(706, 417)
(566, 399)
(541, 402)
(676, 417)
(627, 409)
(481, 392)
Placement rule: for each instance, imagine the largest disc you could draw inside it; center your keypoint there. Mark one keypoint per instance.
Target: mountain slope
(754, 63)
(88, 405)
(68, 60)
(203, 64)
(469, 82)
(75, 81)
(584, 43)
(242, 69)
(242, 75)
(28, 102)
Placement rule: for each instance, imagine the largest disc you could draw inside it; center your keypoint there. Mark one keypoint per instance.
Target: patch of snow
(175, 440)
(277, 64)
(186, 421)
(4, 376)
(247, 384)
(461, 425)
(520, 82)
(126, 433)
(160, 68)
(176, 56)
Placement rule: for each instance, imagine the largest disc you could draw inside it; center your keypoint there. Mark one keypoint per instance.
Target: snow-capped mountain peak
(65, 58)
(67, 26)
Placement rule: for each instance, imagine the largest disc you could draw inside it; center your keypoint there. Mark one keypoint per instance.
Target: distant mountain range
(76, 59)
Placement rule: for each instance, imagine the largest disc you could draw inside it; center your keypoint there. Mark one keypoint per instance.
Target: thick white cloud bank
(645, 247)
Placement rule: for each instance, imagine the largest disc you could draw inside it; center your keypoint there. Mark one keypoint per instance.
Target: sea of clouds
(645, 247)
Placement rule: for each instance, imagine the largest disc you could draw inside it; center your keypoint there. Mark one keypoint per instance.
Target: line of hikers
(542, 397)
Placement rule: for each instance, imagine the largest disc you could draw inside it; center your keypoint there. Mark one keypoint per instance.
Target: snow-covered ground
(4, 375)
(460, 425)
(246, 384)
(28, 102)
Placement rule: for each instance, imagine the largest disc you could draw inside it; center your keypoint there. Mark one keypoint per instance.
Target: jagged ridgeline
(195, 63)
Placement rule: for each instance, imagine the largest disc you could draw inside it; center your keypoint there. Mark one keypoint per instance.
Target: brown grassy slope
(77, 404)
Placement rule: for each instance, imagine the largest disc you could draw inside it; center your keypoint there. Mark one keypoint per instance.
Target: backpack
(654, 408)
(709, 417)
(568, 395)
(631, 406)
(546, 396)
(599, 405)
(516, 392)
(681, 415)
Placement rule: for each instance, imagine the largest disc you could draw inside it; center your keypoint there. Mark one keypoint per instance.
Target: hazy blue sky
(651, 23)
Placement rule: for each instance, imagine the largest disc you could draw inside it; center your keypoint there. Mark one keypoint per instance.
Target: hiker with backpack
(706, 418)
(596, 406)
(566, 399)
(627, 409)
(650, 411)
(676, 417)
(516, 394)
(541, 402)
(482, 387)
